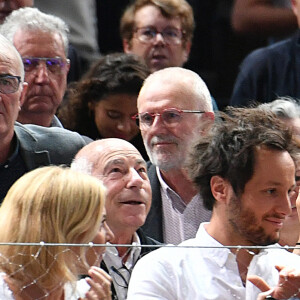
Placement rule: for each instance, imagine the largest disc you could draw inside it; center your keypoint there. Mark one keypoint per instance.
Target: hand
(287, 287)
(100, 283)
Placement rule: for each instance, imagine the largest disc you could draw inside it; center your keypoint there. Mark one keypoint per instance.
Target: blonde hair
(54, 205)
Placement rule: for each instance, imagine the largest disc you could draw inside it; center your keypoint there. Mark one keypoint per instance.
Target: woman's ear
(221, 189)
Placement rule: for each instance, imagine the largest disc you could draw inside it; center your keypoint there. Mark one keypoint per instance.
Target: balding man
(174, 108)
(123, 171)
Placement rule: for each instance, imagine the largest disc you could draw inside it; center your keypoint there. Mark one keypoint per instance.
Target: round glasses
(54, 64)
(172, 36)
(9, 84)
(170, 116)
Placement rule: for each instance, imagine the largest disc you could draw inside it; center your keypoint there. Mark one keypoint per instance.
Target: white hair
(32, 19)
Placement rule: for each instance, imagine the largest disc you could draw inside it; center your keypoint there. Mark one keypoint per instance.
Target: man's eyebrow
(113, 162)
(141, 162)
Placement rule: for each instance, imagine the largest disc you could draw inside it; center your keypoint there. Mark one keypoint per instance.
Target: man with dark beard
(244, 169)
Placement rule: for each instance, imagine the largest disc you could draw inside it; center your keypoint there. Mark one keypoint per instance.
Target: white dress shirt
(202, 273)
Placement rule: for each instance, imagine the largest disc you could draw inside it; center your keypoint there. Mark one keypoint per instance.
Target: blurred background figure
(53, 205)
(263, 17)
(7, 6)
(102, 103)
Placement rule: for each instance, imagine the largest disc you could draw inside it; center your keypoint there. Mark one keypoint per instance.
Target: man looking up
(42, 41)
(123, 171)
(174, 108)
(245, 171)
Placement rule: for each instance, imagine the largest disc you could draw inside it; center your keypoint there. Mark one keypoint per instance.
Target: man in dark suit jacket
(174, 108)
(23, 148)
(128, 199)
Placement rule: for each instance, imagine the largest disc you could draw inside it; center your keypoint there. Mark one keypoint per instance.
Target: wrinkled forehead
(10, 61)
(129, 156)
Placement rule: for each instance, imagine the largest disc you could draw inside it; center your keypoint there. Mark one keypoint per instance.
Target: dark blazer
(145, 240)
(153, 225)
(41, 146)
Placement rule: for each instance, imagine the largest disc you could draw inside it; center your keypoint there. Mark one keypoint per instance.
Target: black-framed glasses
(54, 64)
(170, 116)
(171, 35)
(9, 84)
(119, 278)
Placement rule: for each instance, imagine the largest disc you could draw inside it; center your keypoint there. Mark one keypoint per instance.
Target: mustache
(163, 139)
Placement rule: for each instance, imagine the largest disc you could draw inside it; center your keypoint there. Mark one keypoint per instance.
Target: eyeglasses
(170, 35)
(9, 84)
(54, 64)
(170, 116)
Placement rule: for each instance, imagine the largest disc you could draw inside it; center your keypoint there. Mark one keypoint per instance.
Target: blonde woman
(53, 205)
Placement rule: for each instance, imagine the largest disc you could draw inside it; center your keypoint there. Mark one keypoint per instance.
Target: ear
(91, 105)
(186, 51)
(126, 46)
(207, 120)
(294, 7)
(220, 189)
(23, 94)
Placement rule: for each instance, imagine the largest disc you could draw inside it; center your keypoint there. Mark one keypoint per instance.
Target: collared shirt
(203, 273)
(180, 220)
(112, 259)
(56, 122)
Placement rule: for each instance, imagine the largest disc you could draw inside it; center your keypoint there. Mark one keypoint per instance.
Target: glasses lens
(54, 65)
(146, 34)
(30, 64)
(9, 84)
(172, 36)
(171, 116)
(146, 119)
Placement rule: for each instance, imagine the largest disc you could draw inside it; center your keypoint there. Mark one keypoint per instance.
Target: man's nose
(135, 180)
(159, 39)
(41, 73)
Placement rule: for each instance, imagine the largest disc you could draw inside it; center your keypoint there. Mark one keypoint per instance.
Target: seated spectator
(123, 171)
(244, 169)
(288, 110)
(102, 104)
(270, 72)
(42, 42)
(53, 205)
(174, 107)
(160, 32)
(26, 147)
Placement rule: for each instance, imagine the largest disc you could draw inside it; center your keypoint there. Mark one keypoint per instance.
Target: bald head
(91, 158)
(183, 81)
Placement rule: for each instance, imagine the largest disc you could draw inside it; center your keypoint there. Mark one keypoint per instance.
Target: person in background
(123, 171)
(174, 108)
(7, 6)
(102, 103)
(270, 72)
(53, 205)
(160, 32)
(42, 42)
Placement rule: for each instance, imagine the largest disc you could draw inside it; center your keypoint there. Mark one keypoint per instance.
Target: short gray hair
(32, 19)
(284, 107)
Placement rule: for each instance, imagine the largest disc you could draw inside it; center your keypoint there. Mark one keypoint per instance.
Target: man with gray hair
(42, 42)
(174, 108)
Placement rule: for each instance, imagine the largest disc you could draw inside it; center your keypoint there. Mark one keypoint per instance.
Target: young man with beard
(245, 172)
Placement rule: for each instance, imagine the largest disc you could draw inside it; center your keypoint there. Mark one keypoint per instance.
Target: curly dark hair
(228, 150)
(116, 73)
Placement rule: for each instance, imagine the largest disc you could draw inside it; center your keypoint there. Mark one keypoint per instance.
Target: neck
(41, 119)
(179, 181)
(123, 237)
